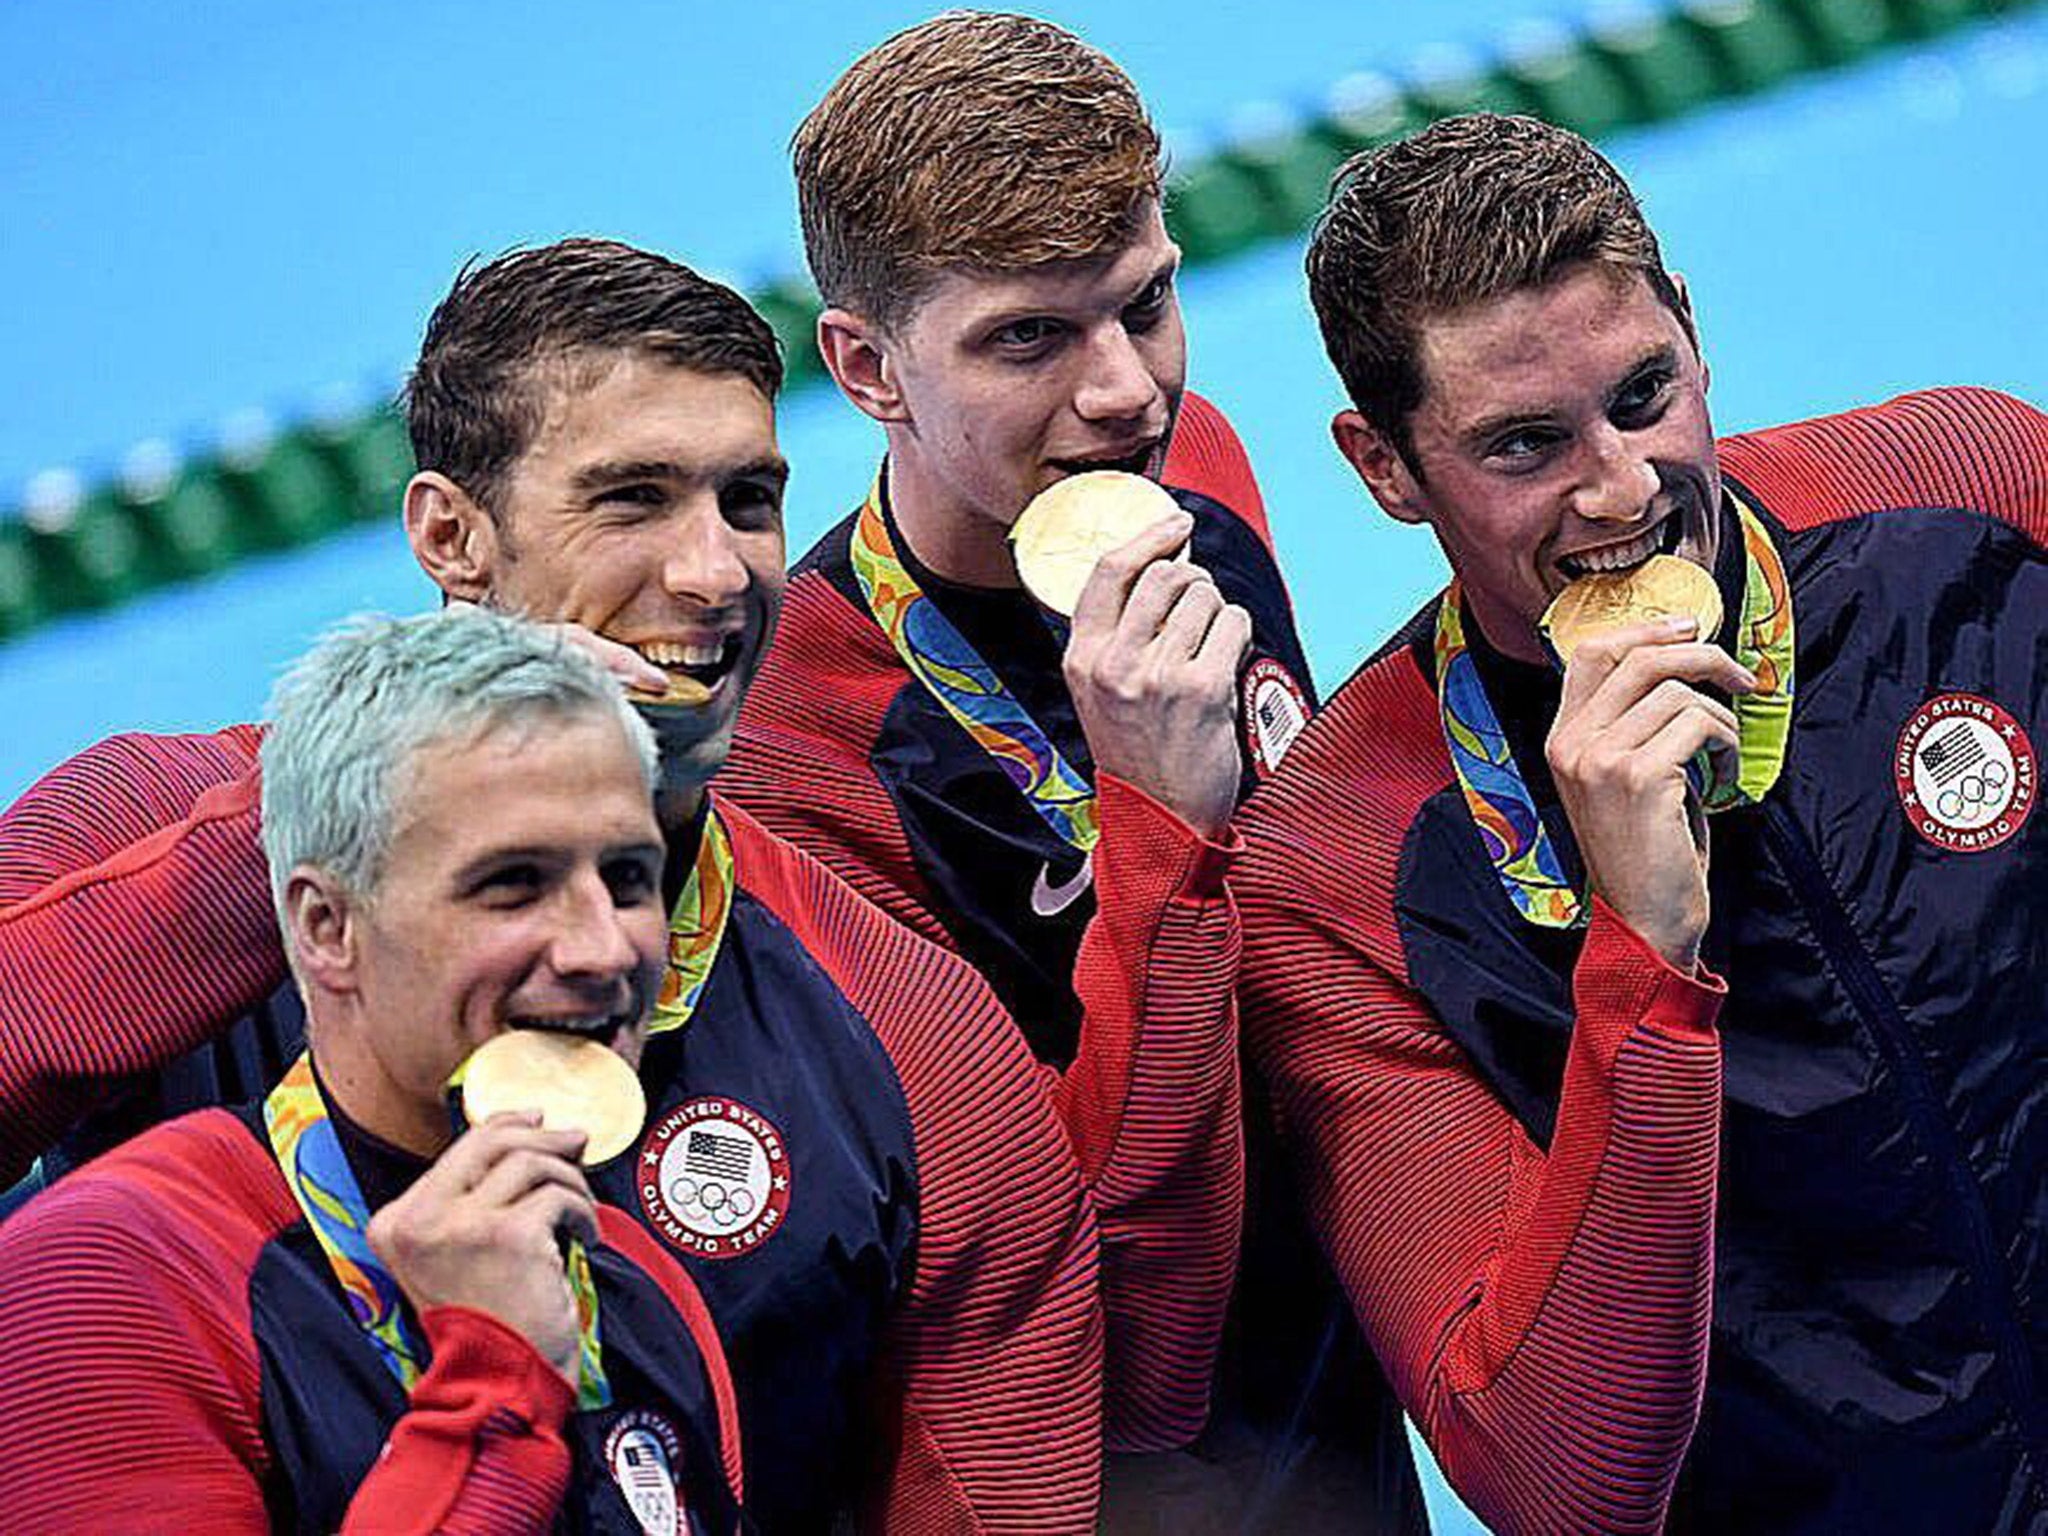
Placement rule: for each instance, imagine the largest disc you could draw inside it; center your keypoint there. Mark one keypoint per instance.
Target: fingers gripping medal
(1663, 586)
(1075, 522)
(575, 1084)
(683, 692)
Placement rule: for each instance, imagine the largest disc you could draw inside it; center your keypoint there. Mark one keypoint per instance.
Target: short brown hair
(476, 395)
(972, 140)
(1470, 209)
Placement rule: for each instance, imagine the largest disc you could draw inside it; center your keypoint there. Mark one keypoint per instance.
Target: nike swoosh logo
(1049, 900)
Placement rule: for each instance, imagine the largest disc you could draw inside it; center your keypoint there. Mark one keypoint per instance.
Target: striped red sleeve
(1503, 1285)
(135, 921)
(997, 1351)
(622, 1232)
(128, 1373)
(1152, 1102)
(479, 1450)
(1971, 448)
(1206, 456)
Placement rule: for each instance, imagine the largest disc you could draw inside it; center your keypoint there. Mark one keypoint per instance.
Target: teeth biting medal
(1074, 522)
(575, 1083)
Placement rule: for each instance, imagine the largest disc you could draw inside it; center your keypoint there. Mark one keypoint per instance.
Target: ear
(321, 922)
(454, 539)
(1380, 465)
(1690, 321)
(859, 356)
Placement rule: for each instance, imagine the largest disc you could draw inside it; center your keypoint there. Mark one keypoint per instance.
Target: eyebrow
(592, 477)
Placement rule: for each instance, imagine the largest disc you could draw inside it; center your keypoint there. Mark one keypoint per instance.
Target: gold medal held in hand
(1663, 586)
(1074, 522)
(576, 1084)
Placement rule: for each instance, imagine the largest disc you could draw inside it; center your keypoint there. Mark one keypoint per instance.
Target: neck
(357, 1085)
(956, 542)
(677, 807)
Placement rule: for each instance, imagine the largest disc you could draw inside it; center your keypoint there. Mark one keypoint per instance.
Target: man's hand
(479, 1229)
(1631, 719)
(623, 662)
(1152, 667)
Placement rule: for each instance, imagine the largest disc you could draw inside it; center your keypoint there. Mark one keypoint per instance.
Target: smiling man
(982, 209)
(848, 1146)
(328, 1311)
(1572, 1178)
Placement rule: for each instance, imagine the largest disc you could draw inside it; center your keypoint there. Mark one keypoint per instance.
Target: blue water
(208, 214)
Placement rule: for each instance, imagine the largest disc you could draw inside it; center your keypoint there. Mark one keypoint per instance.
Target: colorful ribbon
(940, 657)
(696, 929)
(309, 1153)
(1498, 796)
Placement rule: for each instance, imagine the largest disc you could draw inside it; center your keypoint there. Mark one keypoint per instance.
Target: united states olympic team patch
(1275, 711)
(1965, 772)
(643, 1451)
(714, 1178)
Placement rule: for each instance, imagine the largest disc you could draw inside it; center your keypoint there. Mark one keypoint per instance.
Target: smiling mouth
(1137, 462)
(604, 1028)
(1662, 539)
(699, 666)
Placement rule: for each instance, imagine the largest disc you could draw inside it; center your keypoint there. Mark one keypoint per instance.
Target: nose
(702, 561)
(1117, 383)
(592, 940)
(1619, 481)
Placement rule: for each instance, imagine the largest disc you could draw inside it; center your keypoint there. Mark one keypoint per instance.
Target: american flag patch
(713, 1156)
(1953, 752)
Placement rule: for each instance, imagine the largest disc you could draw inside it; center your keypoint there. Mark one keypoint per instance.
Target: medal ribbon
(309, 1153)
(696, 929)
(941, 658)
(1498, 796)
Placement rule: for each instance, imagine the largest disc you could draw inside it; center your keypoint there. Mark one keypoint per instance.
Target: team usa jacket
(175, 1355)
(1567, 1187)
(1119, 968)
(849, 1148)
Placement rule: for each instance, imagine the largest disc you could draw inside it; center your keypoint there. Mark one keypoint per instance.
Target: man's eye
(634, 495)
(511, 886)
(632, 881)
(751, 504)
(1642, 399)
(1150, 304)
(1522, 446)
(1022, 335)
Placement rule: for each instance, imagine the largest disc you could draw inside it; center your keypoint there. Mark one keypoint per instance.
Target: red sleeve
(997, 1351)
(1970, 448)
(128, 1375)
(135, 921)
(1206, 456)
(480, 1448)
(1500, 1283)
(1152, 1102)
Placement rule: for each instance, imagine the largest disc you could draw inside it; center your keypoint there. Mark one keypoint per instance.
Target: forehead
(966, 296)
(1525, 349)
(548, 779)
(628, 406)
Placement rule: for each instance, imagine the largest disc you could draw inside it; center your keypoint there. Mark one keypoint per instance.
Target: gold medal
(576, 1084)
(1663, 586)
(683, 692)
(1074, 522)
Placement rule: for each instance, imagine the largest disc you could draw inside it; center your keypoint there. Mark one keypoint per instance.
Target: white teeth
(667, 653)
(1618, 557)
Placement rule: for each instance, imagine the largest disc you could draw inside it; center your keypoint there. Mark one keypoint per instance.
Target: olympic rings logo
(710, 1200)
(1970, 792)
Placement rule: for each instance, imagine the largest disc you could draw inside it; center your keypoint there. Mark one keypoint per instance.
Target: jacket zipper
(1875, 1005)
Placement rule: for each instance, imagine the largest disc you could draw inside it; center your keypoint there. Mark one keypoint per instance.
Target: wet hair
(974, 141)
(1468, 210)
(478, 391)
(350, 719)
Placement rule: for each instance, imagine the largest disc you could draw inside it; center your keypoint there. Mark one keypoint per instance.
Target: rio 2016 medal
(1072, 524)
(1663, 586)
(576, 1084)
